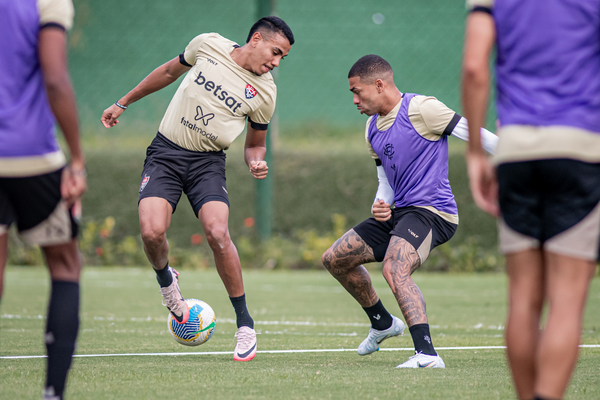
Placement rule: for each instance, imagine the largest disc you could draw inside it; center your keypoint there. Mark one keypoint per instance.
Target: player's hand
(381, 210)
(110, 115)
(483, 183)
(73, 183)
(259, 169)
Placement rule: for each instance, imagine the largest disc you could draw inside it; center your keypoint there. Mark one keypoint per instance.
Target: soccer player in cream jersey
(414, 209)
(227, 88)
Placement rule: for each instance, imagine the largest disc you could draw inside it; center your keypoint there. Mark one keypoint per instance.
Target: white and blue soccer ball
(200, 326)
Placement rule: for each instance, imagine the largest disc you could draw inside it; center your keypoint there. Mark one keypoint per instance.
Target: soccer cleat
(420, 360)
(174, 300)
(372, 342)
(245, 349)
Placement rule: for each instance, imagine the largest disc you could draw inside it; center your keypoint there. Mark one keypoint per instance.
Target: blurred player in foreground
(414, 209)
(37, 190)
(225, 84)
(545, 183)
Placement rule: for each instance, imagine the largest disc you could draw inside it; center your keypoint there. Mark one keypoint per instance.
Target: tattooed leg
(401, 260)
(344, 261)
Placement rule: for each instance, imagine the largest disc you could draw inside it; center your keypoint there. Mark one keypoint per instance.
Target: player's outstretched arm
(255, 150)
(488, 139)
(479, 41)
(52, 50)
(161, 77)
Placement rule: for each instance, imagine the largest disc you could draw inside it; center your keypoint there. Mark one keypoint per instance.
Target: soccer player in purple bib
(226, 88)
(414, 209)
(39, 191)
(545, 181)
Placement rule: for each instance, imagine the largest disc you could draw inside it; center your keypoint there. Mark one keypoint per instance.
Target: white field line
(219, 320)
(220, 353)
(233, 321)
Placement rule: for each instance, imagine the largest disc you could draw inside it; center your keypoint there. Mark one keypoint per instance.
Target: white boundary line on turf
(220, 353)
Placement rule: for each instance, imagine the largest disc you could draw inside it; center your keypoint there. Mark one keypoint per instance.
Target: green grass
(121, 313)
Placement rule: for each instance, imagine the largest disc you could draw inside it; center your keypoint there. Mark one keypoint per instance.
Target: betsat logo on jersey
(222, 94)
(200, 326)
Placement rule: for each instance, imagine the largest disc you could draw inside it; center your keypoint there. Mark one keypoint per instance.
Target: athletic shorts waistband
(174, 146)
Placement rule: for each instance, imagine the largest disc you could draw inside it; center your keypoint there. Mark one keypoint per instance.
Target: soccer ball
(200, 326)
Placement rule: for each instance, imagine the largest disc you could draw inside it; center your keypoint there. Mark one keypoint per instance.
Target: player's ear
(256, 38)
(379, 85)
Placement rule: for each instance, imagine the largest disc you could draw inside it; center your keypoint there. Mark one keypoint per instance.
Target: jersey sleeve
(56, 13)
(188, 57)
(260, 118)
(480, 5)
(371, 151)
(431, 118)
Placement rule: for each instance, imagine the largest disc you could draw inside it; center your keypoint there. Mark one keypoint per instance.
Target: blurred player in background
(545, 183)
(414, 208)
(37, 190)
(225, 85)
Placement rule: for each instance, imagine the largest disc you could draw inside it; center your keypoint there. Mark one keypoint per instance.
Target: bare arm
(255, 150)
(479, 41)
(52, 50)
(161, 77)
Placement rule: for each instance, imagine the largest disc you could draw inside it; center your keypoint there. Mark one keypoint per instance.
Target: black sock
(422, 339)
(61, 333)
(542, 398)
(380, 318)
(241, 311)
(164, 276)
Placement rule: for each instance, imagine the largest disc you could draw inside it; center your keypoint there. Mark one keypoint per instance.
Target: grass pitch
(121, 313)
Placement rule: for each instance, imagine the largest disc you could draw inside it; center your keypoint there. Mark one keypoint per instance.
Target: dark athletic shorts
(554, 204)
(170, 169)
(36, 205)
(420, 227)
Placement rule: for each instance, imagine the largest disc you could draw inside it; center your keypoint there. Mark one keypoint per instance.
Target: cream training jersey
(210, 107)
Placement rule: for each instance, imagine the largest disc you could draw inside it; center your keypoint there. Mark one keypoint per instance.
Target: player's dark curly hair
(370, 66)
(273, 24)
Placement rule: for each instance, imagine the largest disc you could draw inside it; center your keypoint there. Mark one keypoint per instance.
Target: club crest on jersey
(144, 182)
(388, 150)
(250, 91)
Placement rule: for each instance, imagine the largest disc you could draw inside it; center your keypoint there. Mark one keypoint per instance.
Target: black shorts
(170, 169)
(554, 204)
(36, 205)
(420, 227)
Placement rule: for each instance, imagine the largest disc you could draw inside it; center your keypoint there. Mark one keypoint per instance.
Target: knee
(218, 237)
(391, 269)
(332, 264)
(387, 270)
(153, 236)
(64, 261)
(327, 259)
